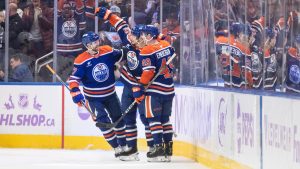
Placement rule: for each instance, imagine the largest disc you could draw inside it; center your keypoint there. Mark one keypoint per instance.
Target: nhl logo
(132, 60)
(69, 29)
(100, 72)
(23, 101)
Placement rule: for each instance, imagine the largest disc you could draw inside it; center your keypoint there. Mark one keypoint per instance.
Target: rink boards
(220, 129)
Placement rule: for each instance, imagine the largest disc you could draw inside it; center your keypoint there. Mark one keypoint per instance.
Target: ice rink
(82, 159)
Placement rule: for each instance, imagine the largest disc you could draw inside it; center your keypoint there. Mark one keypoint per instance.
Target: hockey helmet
(236, 28)
(136, 31)
(89, 37)
(152, 30)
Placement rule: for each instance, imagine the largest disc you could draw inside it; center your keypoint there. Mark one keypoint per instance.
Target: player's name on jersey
(231, 50)
(163, 53)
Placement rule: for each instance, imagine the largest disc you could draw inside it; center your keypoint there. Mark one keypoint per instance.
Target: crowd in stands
(256, 42)
(31, 29)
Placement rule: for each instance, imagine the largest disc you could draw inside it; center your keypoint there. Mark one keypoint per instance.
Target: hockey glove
(77, 96)
(102, 12)
(138, 93)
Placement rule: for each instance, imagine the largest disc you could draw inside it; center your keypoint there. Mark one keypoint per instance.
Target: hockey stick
(105, 125)
(63, 83)
(111, 125)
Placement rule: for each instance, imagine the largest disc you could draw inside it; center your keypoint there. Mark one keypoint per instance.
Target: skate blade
(133, 157)
(157, 159)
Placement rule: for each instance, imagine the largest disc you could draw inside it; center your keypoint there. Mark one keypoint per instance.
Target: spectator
(172, 29)
(15, 25)
(38, 21)
(253, 11)
(123, 5)
(19, 10)
(2, 37)
(20, 71)
(140, 16)
(71, 24)
(172, 33)
(89, 9)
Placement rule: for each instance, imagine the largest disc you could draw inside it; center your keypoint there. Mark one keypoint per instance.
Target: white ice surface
(82, 159)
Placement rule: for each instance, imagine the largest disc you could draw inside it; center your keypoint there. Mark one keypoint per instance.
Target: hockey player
(293, 67)
(234, 56)
(270, 62)
(94, 68)
(157, 105)
(130, 74)
(256, 49)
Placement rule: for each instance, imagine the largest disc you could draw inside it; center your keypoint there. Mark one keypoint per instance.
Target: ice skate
(168, 151)
(118, 151)
(130, 154)
(156, 154)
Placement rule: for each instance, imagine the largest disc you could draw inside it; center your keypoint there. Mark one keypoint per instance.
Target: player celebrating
(293, 67)
(157, 104)
(94, 68)
(130, 75)
(270, 61)
(234, 56)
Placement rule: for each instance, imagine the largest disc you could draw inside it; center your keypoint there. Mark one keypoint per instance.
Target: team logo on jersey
(132, 60)
(256, 64)
(100, 72)
(294, 74)
(69, 28)
(272, 66)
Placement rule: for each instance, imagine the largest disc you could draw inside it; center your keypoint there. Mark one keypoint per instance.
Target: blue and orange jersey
(70, 30)
(132, 70)
(236, 62)
(96, 73)
(154, 57)
(270, 69)
(293, 70)
(257, 52)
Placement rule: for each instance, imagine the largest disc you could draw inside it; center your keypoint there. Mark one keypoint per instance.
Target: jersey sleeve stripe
(93, 92)
(102, 88)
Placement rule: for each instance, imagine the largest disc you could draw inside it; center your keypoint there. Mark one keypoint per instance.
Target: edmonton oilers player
(293, 67)
(235, 57)
(94, 68)
(130, 75)
(157, 104)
